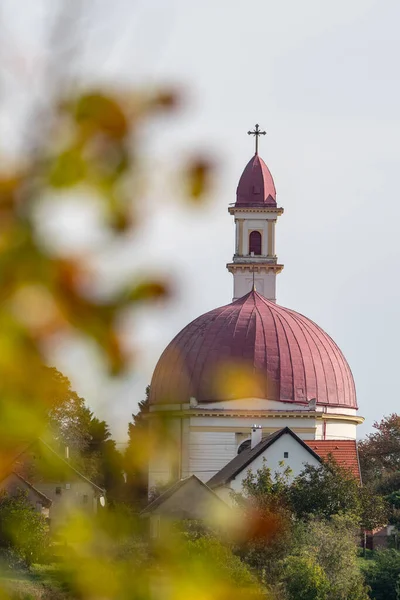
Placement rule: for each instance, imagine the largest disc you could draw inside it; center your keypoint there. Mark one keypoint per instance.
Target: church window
(85, 499)
(286, 455)
(255, 243)
(58, 491)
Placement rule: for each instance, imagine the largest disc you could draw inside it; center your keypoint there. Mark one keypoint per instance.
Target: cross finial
(257, 132)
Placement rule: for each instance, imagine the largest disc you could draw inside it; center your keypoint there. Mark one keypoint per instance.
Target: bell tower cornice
(233, 210)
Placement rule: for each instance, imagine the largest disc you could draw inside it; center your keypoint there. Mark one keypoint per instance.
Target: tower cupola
(255, 212)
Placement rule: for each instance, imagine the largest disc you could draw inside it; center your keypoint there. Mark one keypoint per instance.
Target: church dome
(253, 348)
(256, 186)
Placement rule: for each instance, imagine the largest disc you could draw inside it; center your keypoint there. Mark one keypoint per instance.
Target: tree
(137, 454)
(305, 579)
(67, 415)
(380, 451)
(333, 546)
(108, 461)
(374, 508)
(383, 575)
(324, 490)
(224, 572)
(266, 521)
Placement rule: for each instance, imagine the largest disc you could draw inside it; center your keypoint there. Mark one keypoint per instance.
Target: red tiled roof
(343, 451)
(256, 186)
(283, 356)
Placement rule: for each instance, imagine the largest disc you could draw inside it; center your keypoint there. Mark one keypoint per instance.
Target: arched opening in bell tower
(255, 243)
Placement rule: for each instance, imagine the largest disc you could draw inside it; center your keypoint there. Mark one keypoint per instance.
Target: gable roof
(242, 460)
(172, 490)
(45, 500)
(345, 453)
(59, 458)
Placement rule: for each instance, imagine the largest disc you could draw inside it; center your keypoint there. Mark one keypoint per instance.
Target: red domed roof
(256, 186)
(253, 348)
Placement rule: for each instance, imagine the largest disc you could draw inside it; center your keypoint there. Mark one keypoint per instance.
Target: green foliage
(264, 488)
(333, 546)
(220, 561)
(324, 490)
(107, 460)
(266, 522)
(329, 489)
(305, 579)
(380, 451)
(304, 535)
(23, 531)
(393, 500)
(68, 416)
(383, 575)
(136, 454)
(374, 510)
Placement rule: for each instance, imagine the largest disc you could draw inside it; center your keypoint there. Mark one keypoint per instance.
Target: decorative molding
(256, 209)
(246, 430)
(258, 267)
(258, 413)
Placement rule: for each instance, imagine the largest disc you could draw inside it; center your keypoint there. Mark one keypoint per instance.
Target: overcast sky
(323, 79)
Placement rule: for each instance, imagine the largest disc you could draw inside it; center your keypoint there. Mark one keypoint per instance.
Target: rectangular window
(58, 491)
(286, 455)
(85, 499)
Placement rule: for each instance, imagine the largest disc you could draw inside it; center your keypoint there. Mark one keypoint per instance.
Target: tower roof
(253, 348)
(256, 186)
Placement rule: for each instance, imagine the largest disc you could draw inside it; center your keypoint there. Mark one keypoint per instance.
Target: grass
(41, 582)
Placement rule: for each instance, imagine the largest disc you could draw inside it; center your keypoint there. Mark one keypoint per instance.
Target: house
(38, 467)
(13, 483)
(188, 499)
(191, 499)
(279, 450)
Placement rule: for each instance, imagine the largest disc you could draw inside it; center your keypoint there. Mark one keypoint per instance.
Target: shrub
(305, 579)
(23, 531)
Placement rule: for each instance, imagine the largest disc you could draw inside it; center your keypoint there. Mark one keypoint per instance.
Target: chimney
(256, 435)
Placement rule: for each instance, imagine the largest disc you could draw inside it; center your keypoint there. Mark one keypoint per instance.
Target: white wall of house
(69, 498)
(272, 457)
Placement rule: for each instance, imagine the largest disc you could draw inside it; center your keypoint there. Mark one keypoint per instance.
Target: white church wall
(265, 284)
(336, 410)
(339, 430)
(304, 427)
(210, 451)
(272, 456)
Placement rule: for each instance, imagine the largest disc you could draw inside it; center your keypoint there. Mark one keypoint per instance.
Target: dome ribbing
(287, 357)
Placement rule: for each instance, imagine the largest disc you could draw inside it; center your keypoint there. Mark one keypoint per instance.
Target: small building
(37, 465)
(13, 484)
(187, 500)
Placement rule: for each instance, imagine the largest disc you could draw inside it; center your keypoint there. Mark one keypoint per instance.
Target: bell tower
(255, 212)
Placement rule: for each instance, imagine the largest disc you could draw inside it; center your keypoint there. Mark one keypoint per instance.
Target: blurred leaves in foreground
(88, 143)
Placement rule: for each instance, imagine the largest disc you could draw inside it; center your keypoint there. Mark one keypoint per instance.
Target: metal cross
(257, 132)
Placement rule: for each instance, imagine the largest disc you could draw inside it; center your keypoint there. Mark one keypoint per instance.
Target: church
(252, 375)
